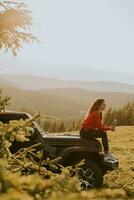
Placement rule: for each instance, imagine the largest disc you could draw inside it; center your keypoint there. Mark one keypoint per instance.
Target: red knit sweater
(93, 121)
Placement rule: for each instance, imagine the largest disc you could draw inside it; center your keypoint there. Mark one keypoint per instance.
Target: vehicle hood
(69, 140)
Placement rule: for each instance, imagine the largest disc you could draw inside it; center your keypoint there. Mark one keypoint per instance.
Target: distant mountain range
(30, 82)
(64, 102)
(86, 73)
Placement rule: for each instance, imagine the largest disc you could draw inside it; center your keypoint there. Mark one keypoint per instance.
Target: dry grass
(122, 145)
(118, 184)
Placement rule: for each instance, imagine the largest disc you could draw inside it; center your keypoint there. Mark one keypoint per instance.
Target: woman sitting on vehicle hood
(92, 126)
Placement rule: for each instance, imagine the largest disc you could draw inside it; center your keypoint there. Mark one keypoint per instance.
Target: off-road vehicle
(71, 149)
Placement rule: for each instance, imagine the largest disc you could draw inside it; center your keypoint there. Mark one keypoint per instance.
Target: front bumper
(112, 164)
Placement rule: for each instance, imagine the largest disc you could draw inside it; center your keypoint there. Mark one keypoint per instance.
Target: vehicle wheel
(90, 175)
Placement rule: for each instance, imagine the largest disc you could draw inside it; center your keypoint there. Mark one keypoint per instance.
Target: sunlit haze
(76, 37)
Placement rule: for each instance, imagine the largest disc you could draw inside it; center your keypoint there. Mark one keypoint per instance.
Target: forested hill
(61, 103)
(37, 83)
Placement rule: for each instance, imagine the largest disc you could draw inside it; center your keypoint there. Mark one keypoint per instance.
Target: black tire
(90, 175)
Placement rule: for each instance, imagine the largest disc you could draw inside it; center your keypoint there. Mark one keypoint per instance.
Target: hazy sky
(76, 34)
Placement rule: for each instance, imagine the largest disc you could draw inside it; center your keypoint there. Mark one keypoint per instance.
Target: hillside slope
(61, 103)
(37, 83)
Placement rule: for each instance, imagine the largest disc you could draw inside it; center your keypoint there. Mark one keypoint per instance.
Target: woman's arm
(99, 124)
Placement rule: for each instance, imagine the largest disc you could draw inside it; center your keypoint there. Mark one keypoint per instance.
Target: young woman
(92, 126)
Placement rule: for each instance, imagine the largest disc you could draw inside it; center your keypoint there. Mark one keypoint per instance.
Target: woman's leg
(104, 138)
(96, 134)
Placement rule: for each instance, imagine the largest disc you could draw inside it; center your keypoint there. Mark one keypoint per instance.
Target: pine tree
(4, 101)
(53, 127)
(78, 125)
(62, 127)
(48, 124)
(107, 117)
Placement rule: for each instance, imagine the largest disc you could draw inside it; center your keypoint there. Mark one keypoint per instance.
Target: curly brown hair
(96, 105)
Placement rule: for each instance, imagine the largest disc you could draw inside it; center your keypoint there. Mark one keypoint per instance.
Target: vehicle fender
(81, 152)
